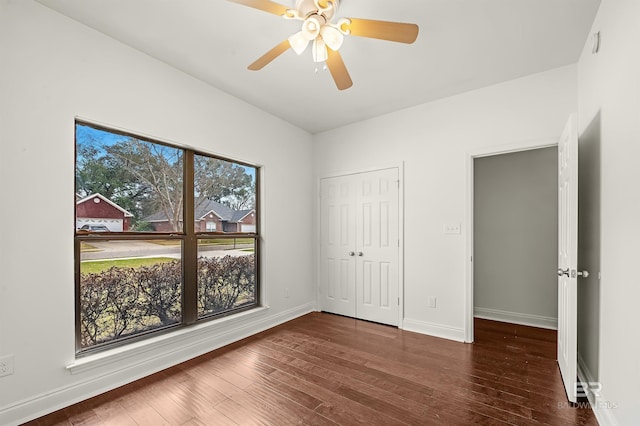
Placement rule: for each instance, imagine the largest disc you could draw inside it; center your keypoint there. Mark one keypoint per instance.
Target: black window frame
(189, 252)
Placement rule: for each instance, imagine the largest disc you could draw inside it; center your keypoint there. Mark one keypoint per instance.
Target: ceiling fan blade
(383, 30)
(338, 70)
(265, 59)
(265, 5)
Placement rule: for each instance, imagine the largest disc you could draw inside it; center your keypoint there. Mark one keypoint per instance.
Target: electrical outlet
(452, 228)
(6, 365)
(432, 302)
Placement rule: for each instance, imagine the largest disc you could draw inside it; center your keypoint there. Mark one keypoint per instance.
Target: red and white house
(97, 209)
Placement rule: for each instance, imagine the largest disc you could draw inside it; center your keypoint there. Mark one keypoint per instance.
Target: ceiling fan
(325, 36)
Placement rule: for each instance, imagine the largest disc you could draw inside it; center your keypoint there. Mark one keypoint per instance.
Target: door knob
(351, 253)
(562, 272)
(360, 253)
(583, 274)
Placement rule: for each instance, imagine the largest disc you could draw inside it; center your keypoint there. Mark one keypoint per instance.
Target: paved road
(135, 249)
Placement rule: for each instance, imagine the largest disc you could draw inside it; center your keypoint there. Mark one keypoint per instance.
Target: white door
(377, 239)
(359, 226)
(244, 227)
(337, 245)
(568, 256)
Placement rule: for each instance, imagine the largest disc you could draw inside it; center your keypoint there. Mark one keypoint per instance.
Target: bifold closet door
(359, 271)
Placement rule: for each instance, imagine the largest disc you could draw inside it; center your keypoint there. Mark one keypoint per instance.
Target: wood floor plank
(323, 369)
(247, 411)
(140, 411)
(213, 418)
(114, 413)
(215, 386)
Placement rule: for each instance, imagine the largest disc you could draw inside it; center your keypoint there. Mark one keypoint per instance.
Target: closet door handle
(576, 274)
(360, 254)
(351, 253)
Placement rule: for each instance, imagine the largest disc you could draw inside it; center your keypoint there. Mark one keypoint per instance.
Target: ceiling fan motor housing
(326, 8)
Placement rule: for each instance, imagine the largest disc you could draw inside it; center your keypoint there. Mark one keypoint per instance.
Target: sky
(87, 135)
(84, 134)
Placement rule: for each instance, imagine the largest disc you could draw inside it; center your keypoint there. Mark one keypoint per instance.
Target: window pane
(126, 184)
(226, 274)
(128, 287)
(224, 196)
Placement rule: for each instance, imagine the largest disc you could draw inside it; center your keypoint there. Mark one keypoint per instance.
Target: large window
(141, 268)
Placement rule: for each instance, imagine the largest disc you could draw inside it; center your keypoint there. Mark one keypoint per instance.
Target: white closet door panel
(337, 266)
(377, 241)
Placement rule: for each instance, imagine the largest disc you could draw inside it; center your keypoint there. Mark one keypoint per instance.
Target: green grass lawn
(93, 267)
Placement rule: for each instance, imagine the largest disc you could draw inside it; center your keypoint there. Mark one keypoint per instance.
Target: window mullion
(190, 257)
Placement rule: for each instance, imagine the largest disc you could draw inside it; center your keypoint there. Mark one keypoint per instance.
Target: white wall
(515, 227)
(434, 140)
(609, 125)
(53, 69)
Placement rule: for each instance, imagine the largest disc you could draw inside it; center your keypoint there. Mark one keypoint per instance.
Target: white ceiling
(462, 45)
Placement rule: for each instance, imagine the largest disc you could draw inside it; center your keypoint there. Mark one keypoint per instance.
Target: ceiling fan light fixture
(298, 42)
(319, 50)
(311, 26)
(332, 37)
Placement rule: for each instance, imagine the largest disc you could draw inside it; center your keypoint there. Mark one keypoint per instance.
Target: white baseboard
(433, 329)
(141, 365)
(602, 409)
(516, 318)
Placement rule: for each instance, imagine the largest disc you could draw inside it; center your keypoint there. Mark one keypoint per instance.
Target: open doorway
(513, 237)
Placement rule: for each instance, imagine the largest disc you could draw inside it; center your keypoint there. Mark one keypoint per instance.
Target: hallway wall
(516, 237)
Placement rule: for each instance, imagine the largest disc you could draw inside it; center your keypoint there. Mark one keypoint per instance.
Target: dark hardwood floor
(324, 369)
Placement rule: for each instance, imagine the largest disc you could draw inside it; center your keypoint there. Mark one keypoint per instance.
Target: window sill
(166, 343)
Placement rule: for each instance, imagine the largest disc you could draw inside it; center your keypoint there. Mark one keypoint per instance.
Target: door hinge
(398, 301)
